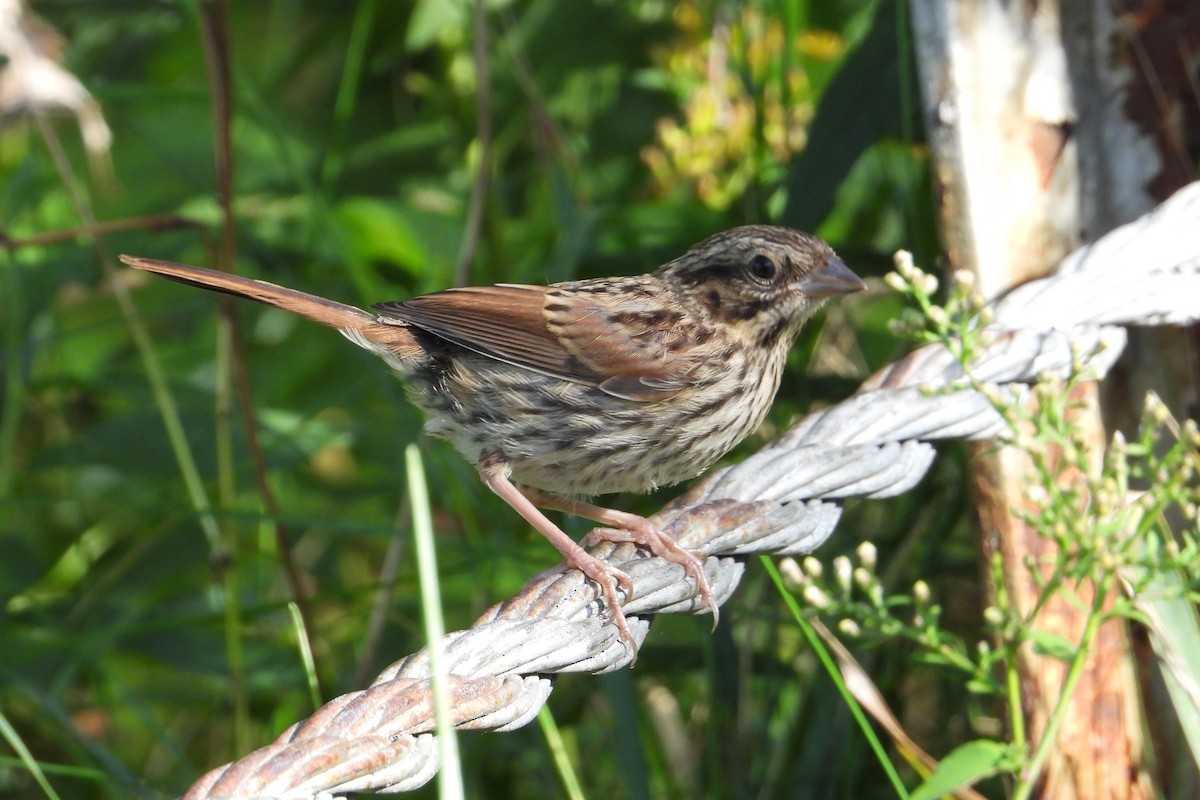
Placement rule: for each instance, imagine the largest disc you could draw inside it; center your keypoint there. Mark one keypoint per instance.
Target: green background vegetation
(616, 142)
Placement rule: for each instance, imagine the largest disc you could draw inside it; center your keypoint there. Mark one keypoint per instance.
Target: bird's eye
(762, 268)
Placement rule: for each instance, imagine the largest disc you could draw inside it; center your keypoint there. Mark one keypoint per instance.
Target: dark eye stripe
(710, 272)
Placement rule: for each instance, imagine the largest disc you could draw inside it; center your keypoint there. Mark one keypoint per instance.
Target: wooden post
(1028, 107)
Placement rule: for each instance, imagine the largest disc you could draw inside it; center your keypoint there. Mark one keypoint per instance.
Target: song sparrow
(592, 386)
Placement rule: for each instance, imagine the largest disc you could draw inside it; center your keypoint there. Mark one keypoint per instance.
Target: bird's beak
(830, 279)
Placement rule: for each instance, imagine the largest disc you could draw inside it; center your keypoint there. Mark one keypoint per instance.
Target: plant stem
(1027, 777)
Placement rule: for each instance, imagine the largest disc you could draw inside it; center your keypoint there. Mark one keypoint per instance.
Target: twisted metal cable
(782, 500)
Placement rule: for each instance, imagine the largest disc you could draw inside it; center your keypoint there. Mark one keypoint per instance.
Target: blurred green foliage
(620, 133)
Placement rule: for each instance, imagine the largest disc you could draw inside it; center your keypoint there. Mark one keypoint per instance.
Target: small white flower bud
(867, 555)
(921, 593)
(864, 579)
(815, 597)
(793, 576)
(842, 572)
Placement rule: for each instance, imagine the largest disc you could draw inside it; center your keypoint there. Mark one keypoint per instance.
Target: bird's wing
(626, 349)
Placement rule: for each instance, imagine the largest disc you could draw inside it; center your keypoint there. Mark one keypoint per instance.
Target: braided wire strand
(782, 500)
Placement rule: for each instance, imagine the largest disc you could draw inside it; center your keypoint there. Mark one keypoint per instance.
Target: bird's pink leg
(626, 527)
(605, 575)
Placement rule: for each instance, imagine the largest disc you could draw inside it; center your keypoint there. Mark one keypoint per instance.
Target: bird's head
(760, 280)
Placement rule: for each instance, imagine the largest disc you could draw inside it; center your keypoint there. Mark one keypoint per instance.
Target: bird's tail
(362, 328)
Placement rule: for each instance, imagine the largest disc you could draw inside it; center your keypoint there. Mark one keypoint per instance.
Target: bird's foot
(643, 532)
(609, 580)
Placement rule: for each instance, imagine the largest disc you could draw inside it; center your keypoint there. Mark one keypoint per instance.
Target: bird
(595, 386)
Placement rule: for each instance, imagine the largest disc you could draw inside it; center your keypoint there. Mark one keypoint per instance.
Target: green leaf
(376, 230)
(965, 765)
(842, 132)
(1169, 616)
(1053, 645)
(433, 19)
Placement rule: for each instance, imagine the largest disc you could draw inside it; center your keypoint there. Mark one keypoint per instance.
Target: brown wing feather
(634, 343)
(505, 322)
(554, 331)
